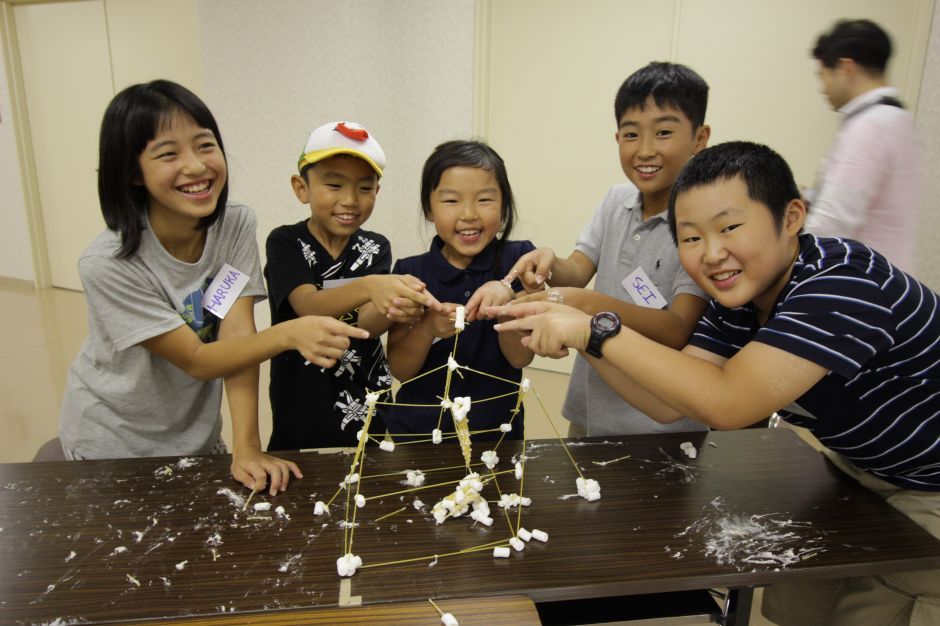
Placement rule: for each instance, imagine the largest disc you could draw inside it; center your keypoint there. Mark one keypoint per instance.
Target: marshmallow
(359, 435)
(541, 535)
(482, 517)
(371, 399)
(262, 506)
(517, 544)
(436, 435)
(451, 363)
(360, 500)
(347, 564)
(505, 428)
(460, 408)
(489, 458)
(320, 508)
(526, 384)
(524, 534)
(525, 501)
(388, 445)
(691, 452)
(588, 488)
(449, 620)
(501, 552)
(518, 471)
(415, 478)
(459, 318)
(685, 445)
(280, 511)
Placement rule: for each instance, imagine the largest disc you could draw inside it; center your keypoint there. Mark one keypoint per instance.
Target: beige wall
(15, 253)
(402, 69)
(928, 122)
(552, 73)
(406, 69)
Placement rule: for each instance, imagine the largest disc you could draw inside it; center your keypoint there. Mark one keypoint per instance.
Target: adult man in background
(870, 186)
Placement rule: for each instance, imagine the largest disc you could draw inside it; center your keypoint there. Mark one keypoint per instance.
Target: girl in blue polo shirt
(465, 193)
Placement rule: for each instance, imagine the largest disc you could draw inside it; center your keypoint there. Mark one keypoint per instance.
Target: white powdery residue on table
(750, 541)
(186, 462)
(289, 562)
(236, 500)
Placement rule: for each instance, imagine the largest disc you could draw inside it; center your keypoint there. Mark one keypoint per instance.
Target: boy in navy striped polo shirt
(826, 331)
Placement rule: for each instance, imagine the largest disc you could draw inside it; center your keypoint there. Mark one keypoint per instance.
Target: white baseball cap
(342, 138)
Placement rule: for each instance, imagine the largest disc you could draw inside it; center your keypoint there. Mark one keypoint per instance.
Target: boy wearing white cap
(327, 265)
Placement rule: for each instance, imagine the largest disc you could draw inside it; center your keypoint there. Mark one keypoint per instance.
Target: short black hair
(863, 41)
(766, 174)
(470, 153)
(131, 121)
(669, 84)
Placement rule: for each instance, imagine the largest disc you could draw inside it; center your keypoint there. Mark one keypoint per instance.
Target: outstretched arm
(671, 326)
(321, 340)
(250, 466)
(541, 266)
(408, 345)
(735, 393)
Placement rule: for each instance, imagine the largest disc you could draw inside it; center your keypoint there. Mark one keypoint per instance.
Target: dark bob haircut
(463, 153)
(767, 176)
(669, 84)
(133, 119)
(863, 41)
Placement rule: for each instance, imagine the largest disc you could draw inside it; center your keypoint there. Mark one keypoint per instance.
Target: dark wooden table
(142, 539)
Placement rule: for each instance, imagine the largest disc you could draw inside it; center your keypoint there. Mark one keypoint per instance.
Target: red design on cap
(356, 134)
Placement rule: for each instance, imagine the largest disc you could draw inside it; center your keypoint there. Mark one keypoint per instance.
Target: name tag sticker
(642, 290)
(222, 293)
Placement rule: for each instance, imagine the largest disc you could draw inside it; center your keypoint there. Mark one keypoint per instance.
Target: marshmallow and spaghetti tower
(467, 495)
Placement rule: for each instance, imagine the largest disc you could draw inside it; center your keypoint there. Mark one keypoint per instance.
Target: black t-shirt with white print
(314, 407)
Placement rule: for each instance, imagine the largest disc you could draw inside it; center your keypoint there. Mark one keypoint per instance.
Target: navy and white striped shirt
(877, 330)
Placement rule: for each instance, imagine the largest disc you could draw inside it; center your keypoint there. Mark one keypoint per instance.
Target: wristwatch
(604, 325)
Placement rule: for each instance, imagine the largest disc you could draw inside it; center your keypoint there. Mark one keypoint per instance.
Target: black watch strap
(604, 325)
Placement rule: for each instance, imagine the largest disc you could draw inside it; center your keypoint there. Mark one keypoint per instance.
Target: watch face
(605, 322)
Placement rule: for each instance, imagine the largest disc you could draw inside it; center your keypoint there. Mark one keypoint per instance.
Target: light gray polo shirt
(618, 241)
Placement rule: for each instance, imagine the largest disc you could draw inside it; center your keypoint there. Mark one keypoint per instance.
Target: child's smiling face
(183, 170)
(655, 142)
(341, 192)
(466, 208)
(730, 245)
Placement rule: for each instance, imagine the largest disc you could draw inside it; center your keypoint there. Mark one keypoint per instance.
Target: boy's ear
(299, 185)
(702, 136)
(378, 187)
(794, 216)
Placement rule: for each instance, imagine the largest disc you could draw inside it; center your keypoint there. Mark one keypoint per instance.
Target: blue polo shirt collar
(447, 273)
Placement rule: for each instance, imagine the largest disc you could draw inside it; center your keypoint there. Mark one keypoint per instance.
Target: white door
(75, 56)
(67, 79)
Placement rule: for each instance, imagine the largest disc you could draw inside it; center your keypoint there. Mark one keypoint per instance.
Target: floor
(44, 330)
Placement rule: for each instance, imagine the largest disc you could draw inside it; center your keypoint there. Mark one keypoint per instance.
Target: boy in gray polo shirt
(627, 246)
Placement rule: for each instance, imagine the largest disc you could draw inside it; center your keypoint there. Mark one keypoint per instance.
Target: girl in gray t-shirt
(171, 287)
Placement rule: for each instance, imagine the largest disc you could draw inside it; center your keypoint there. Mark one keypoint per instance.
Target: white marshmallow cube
(506, 428)
(541, 535)
(501, 552)
(371, 399)
(320, 508)
(360, 500)
(262, 506)
(388, 445)
(524, 534)
(451, 363)
(436, 436)
(489, 458)
(347, 564)
(459, 323)
(526, 384)
(518, 471)
(449, 620)
(517, 544)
